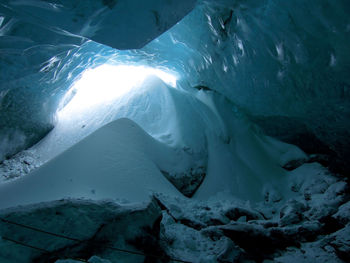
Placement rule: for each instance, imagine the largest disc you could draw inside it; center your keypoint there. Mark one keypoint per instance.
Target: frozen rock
(343, 214)
(293, 164)
(341, 243)
(186, 243)
(234, 213)
(187, 183)
(292, 213)
(96, 259)
(19, 165)
(67, 261)
(261, 241)
(95, 227)
(326, 204)
(194, 214)
(230, 252)
(320, 211)
(337, 193)
(309, 252)
(242, 219)
(310, 179)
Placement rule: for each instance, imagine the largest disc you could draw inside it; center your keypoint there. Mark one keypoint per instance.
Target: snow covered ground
(254, 198)
(234, 157)
(313, 225)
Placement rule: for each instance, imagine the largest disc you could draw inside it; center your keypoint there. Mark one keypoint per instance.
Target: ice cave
(174, 131)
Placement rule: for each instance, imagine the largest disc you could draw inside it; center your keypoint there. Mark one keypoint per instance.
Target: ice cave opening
(105, 83)
(174, 131)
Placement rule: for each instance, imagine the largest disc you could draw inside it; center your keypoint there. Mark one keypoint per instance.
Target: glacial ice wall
(284, 63)
(42, 52)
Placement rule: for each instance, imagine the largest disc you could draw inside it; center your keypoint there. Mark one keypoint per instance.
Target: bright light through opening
(108, 82)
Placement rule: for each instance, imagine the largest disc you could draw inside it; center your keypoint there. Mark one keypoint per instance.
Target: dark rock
(231, 253)
(201, 87)
(330, 225)
(261, 243)
(255, 240)
(235, 213)
(343, 214)
(341, 243)
(293, 164)
(188, 182)
(312, 139)
(292, 213)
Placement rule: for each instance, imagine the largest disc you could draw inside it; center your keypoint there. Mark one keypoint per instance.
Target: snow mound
(203, 145)
(116, 161)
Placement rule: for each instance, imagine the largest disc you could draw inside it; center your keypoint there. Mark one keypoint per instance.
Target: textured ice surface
(121, 24)
(40, 49)
(286, 64)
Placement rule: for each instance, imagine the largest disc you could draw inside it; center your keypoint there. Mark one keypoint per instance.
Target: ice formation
(186, 131)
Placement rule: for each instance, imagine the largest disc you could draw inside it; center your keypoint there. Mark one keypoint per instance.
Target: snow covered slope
(201, 136)
(117, 161)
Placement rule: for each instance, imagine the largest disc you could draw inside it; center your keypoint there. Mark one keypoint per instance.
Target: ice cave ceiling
(285, 64)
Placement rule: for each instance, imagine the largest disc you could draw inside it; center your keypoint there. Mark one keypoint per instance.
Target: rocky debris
(92, 228)
(311, 179)
(328, 248)
(188, 182)
(195, 214)
(293, 164)
(19, 165)
(230, 252)
(292, 213)
(319, 158)
(343, 214)
(260, 242)
(312, 158)
(93, 259)
(326, 204)
(318, 251)
(186, 243)
(341, 243)
(236, 213)
(295, 230)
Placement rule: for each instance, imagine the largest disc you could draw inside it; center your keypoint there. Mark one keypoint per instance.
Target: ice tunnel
(174, 131)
